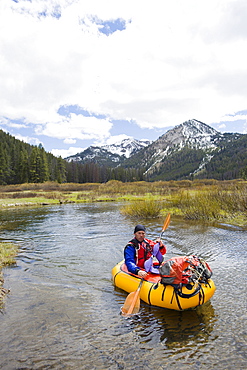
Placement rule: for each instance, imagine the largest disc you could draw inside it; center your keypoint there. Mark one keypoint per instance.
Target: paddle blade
(132, 304)
(167, 222)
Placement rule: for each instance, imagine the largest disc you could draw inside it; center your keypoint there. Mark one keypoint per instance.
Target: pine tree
(60, 170)
(23, 167)
(3, 165)
(35, 161)
(243, 173)
(44, 169)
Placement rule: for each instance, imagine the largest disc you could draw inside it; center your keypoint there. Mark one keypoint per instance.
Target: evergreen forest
(24, 163)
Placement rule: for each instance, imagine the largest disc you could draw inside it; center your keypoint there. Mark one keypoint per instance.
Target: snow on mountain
(197, 134)
(114, 153)
(126, 147)
(193, 134)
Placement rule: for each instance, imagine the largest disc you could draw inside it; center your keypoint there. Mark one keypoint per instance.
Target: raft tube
(166, 296)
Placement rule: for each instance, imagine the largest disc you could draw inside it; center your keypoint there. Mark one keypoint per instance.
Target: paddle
(132, 303)
(166, 224)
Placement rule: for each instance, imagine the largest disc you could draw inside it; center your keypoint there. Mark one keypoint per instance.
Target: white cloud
(234, 117)
(29, 140)
(64, 153)
(7, 123)
(245, 128)
(174, 61)
(69, 141)
(76, 127)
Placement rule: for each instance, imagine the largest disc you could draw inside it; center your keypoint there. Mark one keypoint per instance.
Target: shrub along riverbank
(202, 200)
(8, 252)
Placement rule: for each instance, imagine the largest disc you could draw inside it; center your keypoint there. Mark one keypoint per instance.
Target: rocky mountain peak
(126, 147)
(112, 154)
(193, 127)
(192, 133)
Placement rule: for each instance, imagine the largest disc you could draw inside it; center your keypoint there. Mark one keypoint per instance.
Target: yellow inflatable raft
(154, 293)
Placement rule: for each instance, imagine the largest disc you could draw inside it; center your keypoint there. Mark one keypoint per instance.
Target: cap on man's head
(139, 228)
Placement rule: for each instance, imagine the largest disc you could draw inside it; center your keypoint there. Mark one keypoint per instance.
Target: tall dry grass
(8, 252)
(197, 200)
(213, 203)
(146, 208)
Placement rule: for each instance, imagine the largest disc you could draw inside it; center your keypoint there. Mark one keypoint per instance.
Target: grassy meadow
(202, 200)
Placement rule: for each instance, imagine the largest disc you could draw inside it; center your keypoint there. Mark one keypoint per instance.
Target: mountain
(185, 151)
(189, 150)
(110, 155)
(127, 147)
(190, 134)
(96, 154)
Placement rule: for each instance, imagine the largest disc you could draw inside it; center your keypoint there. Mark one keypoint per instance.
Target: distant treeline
(92, 172)
(24, 163)
(230, 162)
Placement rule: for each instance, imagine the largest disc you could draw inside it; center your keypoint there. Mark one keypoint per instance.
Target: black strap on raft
(178, 293)
(114, 278)
(149, 294)
(153, 287)
(184, 295)
(175, 294)
(201, 297)
(177, 299)
(163, 293)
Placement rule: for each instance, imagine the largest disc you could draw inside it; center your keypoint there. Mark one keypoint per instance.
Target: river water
(63, 311)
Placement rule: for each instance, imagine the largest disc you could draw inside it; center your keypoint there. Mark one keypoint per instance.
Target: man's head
(140, 232)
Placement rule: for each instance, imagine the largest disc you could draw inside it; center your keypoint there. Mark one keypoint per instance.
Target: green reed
(213, 203)
(8, 252)
(146, 208)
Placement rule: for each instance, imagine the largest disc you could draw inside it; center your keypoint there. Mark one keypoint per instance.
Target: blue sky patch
(109, 27)
(66, 110)
(56, 13)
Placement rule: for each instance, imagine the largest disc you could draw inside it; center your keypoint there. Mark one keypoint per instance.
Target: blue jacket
(131, 251)
(130, 259)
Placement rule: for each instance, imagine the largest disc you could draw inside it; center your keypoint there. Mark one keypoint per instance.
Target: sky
(75, 73)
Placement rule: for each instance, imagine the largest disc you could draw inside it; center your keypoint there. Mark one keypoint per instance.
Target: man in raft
(139, 252)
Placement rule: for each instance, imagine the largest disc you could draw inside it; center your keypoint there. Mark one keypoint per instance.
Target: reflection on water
(180, 328)
(63, 311)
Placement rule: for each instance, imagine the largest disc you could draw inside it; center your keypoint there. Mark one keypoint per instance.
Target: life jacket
(143, 250)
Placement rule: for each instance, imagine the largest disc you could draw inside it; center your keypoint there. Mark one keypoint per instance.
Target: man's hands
(158, 240)
(142, 273)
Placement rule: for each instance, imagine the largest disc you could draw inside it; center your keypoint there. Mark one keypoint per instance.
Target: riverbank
(8, 252)
(201, 200)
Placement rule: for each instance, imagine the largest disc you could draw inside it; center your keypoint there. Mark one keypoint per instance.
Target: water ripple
(63, 311)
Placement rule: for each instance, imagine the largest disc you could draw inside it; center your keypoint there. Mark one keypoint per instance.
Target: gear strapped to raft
(188, 271)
